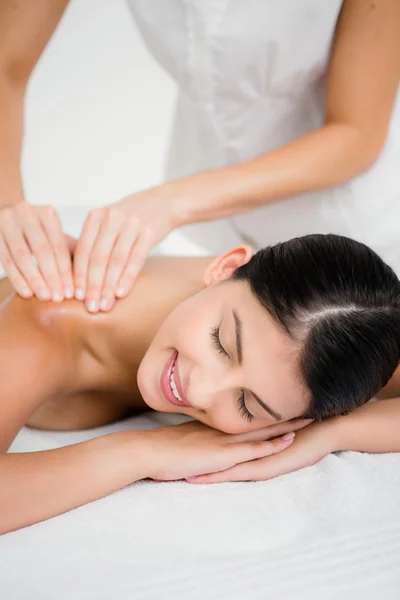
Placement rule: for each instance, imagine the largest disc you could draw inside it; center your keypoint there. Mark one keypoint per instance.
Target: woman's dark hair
(341, 302)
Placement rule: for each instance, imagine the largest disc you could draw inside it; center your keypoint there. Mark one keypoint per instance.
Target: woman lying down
(274, 356)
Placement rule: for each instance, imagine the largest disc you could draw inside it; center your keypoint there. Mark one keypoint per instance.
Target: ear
(226, 264)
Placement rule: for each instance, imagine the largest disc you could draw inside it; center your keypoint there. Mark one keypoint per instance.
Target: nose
(205, 390)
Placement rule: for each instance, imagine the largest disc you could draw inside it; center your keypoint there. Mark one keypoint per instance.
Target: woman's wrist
(373, 427)
(339, 432)
(186, 198)
(204, 196)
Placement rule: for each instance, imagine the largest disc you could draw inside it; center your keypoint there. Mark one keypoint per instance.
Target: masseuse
(288, 122)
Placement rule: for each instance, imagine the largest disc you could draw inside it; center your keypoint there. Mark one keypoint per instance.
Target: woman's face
(229, 353)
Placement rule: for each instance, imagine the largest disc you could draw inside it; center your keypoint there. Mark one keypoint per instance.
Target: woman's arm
(363, 79)
(35, 486)
(374, 427)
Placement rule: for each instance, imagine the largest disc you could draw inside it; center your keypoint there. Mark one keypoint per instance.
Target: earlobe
(226, 264)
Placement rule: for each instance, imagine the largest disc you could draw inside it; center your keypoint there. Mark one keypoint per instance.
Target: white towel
(329, 531)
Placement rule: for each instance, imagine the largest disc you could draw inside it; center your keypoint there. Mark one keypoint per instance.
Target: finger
(38, 241)
(52, 227)
(239, 472)
(21, 257)
(135, 263)
(71, 243)
(119, 258)
(248, 451)
(261, 469)
(17, 281)
(83, 249)
(287, 426)
(98, 263)
(267, 433)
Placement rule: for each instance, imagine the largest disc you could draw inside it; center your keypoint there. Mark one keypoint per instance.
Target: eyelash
(216, 342)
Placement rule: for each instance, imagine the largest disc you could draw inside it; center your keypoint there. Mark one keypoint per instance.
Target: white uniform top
(251, 77)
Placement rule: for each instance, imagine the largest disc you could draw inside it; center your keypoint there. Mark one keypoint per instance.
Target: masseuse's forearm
(11, 123)
(35, 486)
(374, 427)
(323, 158)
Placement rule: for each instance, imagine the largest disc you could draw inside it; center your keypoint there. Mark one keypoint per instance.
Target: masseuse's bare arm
(363, 78)
(25, 28)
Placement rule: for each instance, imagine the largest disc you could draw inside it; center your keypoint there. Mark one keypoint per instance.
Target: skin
(109, 365)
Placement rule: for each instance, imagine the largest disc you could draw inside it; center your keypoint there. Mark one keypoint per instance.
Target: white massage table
(326, 532)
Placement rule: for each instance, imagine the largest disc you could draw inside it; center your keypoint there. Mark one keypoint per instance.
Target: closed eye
(216, 342)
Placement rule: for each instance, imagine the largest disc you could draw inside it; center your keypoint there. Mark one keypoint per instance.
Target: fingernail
(57, 297)
(79, 294)
(120, 291)
(44, 294)
(104, 304)
(288, 436)
(26, 292)
(68, 292)
(92, 306)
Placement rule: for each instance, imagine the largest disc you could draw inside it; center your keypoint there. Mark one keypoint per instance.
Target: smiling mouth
(173, 384)
(176, 386)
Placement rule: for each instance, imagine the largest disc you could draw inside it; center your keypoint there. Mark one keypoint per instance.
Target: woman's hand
(27, 230)
(310, 445)
(115, 242)
(181, 451)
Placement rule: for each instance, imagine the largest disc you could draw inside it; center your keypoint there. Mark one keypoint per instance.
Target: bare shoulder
(34, 364)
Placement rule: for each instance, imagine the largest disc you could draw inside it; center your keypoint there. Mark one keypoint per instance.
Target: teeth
(173, 386)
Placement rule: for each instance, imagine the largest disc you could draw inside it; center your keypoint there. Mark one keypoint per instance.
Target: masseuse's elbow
(363, 148)
(371, 148)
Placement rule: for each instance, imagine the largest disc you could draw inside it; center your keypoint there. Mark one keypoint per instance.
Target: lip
(165, 379)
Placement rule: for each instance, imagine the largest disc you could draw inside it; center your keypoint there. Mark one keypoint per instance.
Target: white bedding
(326, 532)
(329, 531)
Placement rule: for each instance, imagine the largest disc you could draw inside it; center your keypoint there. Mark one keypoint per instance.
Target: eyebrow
(239, 352)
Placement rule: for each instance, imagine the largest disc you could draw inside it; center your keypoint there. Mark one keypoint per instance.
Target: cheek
(186, 328)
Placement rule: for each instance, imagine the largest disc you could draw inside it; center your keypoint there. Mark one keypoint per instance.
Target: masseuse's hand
(114, 244)
(311, 444)
(27, 230)
(181, 451)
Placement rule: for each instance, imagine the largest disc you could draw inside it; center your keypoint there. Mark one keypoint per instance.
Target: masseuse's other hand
(114, 244)
(181, 451)
(311, 444)
(27, 230)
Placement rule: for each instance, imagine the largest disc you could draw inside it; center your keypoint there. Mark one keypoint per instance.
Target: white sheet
(329, 531)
